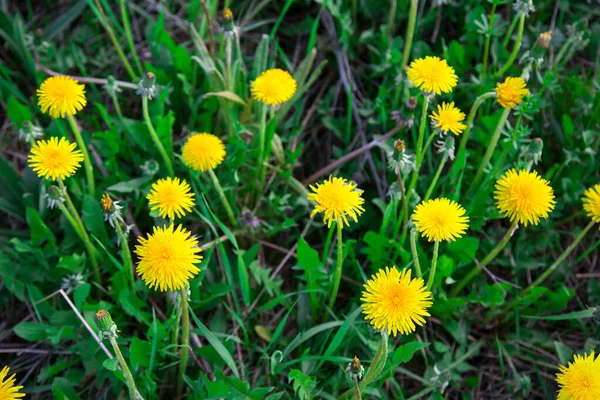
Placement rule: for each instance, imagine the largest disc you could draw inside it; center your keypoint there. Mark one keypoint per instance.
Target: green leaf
(404, 353)
(464, 248)
(303, 384)
(111, 364)
(310, 265)
(17, 112)
(227, 95)
(139, 353)
(492, 295)
(568, 316)
(37, 228)
(564, 352)
(93, 218)
(130, 185)
(216, 344)
(31, 331)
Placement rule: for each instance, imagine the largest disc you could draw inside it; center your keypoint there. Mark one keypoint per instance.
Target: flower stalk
(436, 177)
(185, 340)
(470, 118)
(338, 269)
(436, 248)
(87, 163)
(489, 258)
(219, 189)
(129, 36)
(157, 143)
(420, 149)
(126, 255)
(410, 31)
(515, 51)
(415, 254)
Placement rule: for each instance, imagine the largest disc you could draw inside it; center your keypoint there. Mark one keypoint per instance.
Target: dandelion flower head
(167, 258)
(394, 302)
(172, 197)
(524, 197)
(591, 202)
(432, 75)
(54, 158)
(273, 87)
(8, 390)
(440, 219)
(60, 96)
(203, 151)
(448, 118)
(511, 92)
(580, 380)
(338, 199)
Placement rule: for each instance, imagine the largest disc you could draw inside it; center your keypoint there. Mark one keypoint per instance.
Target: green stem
(126, 372)
(118, 110)
(486, 50)
(490, 150)
(230, 213)
(563, 50)
(129, 36)
(492, 254)
(419, 151)
(338, 270)
(436, 248)
(510, 31)
(87, 162)
(114, 40)
(410, 31)
(126, 255)
(77, 224)
(356, 388)
(72, 221)
(470, 118)
(415, 254)
(155, 138)
(261, 143)
(391, 17)
(515, 51)
(185, 340)
(404, 201)
(560, 259)
(436, 177)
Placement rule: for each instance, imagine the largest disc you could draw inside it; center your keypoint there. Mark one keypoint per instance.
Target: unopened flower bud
(147, 86)
(524, 7)
(106, 326)
(30, 132)
(111, 209)
(544, 39)
(399, 160)
(55, 196)
(150, 167)
(399, 145)
(354, 369)
(111, 86)
(411, 103)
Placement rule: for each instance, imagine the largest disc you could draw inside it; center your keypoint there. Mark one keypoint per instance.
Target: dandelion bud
(55, 196)
(355, 370)
(446, 147)
(544, 39)
(72, 282)
(150, 167)
(111, 86)
(399, 145)
(411, 103)
(111, 209)
(30, 132)
(147, 86)
(106, 326)
(400, 162)
(228, 17)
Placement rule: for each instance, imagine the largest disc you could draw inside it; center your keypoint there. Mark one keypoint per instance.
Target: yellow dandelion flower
(510, 92)
(167, 258)
(203, 151)
(591, 202)
(338, 199)
(395, 303)
(580, 380)
(54, 158)
(172, 197)
(449, 118)
(432, 74)
(273, 87)
(227, 14)
(524, 196)
(440, 219)
(8, 390)
(61, 95)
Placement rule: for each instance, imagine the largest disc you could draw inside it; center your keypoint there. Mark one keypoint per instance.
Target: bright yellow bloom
(171, 197)
(580, 380)
(203, 151)
(432, 74)
(61, 95)
(273, 87)
(524, 196)
(510, 92)
(449, 118)
(167, 258)
(8, 390)
(338, 199)
(227, 14)
(591, 202)
(54, 158)
(440, 219)
(395, 303)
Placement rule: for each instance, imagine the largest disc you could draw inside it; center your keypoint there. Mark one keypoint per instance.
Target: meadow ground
(326, 199)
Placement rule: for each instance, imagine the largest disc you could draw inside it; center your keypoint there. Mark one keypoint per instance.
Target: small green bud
(354, 369)
(55, 196)
(111, 86)
(147, 86)
(106, 326)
